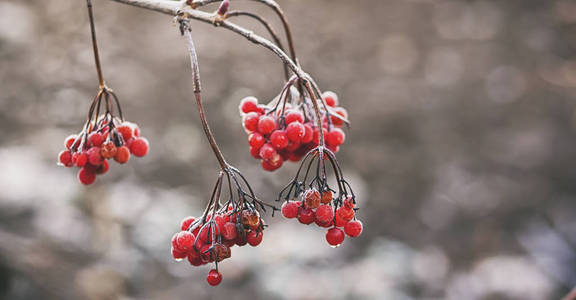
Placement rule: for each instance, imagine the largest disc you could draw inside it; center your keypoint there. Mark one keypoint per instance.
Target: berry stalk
(95, 45)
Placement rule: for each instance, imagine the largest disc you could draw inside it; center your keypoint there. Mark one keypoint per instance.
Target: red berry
(308, 134)
(185, 241)
(139, 146)
(324, 225)
(135, 129)
(86, 176)
(270, 166)
(255, 152)
(345, 213)
(312, 198)
(240, 241)
(65, 158)
(326, 197)
(229, 231)
(194, 259)
(186, 222)
(295, 131)
(94, 156)
(214, 277)
(249, 104)
(335, 137)
(125, 130)
(279, 139)
(294, 116)
(267, 152)
(330, 98)
(102, 168)
(122, 154)
(96, 139)
(306, 216)
(353, 228)
(108, 150)
(256, 140)
(324, 213)
(177, 254)
(266, 124)
(342, 112)
(335, 236)
(290, 210)
(220, 221)
(251, 121)
(339, 221)
(69, 141)
(254, 238)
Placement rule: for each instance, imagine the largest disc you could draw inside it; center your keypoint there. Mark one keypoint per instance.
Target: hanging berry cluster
(209, 238)
(103, 137)
(309, 198)
(285, 130)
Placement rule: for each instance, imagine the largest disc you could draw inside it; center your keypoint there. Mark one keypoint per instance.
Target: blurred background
(462, 151)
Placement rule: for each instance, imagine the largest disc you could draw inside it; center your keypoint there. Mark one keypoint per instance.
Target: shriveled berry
(229, 231)
(306, 216)
(108, 150)
(249, 104)
(96, 139)
(122, 154)
(86, 176)
(221, 252)
(186, 222)
(293, 116)
(295, 131)
(94, 156)
(335, 236)
(353, 228)
(345, 213)
(65, 158)
(326, 197)
(290, 210)
(279, 139)
(312, 198)
(254, 238)
(324, 213)
(256, 140)
(214, 277)
(251, 121)
(266, 124)
(250, 217)
(195, 260)
(139, 146)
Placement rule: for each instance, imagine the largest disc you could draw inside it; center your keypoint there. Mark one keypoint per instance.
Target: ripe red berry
(290, 210)
(122, 154)
(267, 152)
(342, 112)
(229, 231)
(65, 158)
(312, 198)
(339, 221)
(279, 139)
(139, 146)
(324, 225)
(345, 213)
(108, 150)
(306, 216)
(249, 104)
(254, 238)
(266, 124)
(324, 213)
(94, 156)
(353, 228)
(214, 277)
(330, 98)
(308, 134)
(251, 121)
(335, 137)
(185, 240)
(294, 116)
(79, 159)
(256, 140)
(69, 141)
(335, 236)
(125, 130)
(186, 222)
(102, 168)
(255, 152)
(177, 254)
(271, 165)
(295, 131)
(86, 176)
(96, 139)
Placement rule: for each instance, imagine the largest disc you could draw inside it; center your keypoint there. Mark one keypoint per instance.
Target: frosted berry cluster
(284, 132)
(322, 209)
(209, 239)
(104, 140)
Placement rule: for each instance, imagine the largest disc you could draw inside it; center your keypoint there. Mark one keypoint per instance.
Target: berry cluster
(313, 201)
(283, 131)
(209, 238)
(320, 208)
(104, 138)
